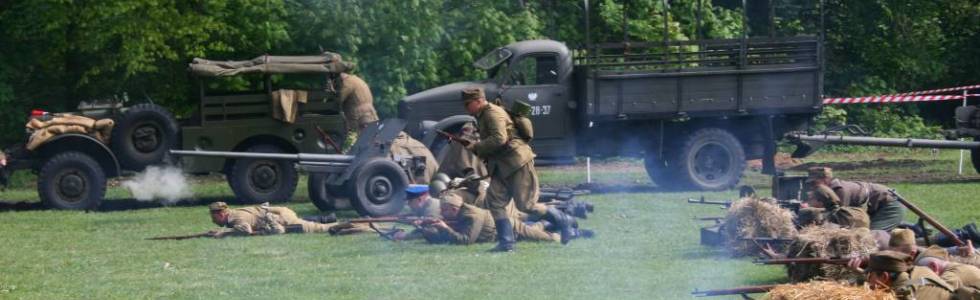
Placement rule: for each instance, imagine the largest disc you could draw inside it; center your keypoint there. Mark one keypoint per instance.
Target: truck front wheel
(71, 180)
(263, 180)
(709, 159)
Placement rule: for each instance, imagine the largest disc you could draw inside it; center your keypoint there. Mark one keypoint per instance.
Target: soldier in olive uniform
(261, 220)
(457, 161)
(885, 212)
(895, 270)
(470, 224)
(833, 212)
(510, 163)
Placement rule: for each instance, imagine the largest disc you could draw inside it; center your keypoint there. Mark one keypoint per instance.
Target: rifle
(702, 201)
(927, 218)
(562, 194)
(752, 289)
(181, 237)
(326, 139)
(768, 240)
(397, 219)
(453, 138)
(802, 261)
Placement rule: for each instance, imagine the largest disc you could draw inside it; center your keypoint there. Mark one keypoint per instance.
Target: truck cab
(537, 72)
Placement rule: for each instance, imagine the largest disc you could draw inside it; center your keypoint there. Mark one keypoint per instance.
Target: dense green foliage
(56, 53)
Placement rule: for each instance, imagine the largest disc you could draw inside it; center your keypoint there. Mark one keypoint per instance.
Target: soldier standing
(357, 104)
(885, 212)
(510, 163)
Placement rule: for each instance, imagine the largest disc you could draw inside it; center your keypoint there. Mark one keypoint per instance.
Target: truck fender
(429, 133)
(85, 144)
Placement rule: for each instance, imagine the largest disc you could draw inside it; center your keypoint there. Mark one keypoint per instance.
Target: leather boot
(505, 236)
(563, 221)
(971, 233)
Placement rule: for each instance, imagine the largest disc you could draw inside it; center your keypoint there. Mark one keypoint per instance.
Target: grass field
(647, 247)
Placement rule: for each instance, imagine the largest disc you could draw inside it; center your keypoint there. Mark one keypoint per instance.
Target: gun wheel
(379, 188)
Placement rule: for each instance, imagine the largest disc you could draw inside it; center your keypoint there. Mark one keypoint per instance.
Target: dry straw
(826, 290)
(825, 241)
(754, 218)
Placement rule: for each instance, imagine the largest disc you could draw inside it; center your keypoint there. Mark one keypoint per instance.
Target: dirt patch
(783, 162)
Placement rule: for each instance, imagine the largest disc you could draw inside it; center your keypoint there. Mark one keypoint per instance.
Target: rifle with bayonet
(752, 289)
(916, 210)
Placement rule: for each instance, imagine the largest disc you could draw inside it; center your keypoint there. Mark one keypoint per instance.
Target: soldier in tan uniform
(469, 224)
(965, 279)
(457, 161)
(885, 212)
(404, 146)
(845, 216)
(510, 163)
(357, 105)
(261, 220)
(895, 271)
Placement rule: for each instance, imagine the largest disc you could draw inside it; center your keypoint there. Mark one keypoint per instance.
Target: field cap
(890, 261)
(472, 94)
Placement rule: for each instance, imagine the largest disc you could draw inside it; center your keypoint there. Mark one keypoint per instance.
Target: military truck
(695, 110)
(72, 168)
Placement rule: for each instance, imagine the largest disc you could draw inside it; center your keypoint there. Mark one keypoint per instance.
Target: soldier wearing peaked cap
(895, 270)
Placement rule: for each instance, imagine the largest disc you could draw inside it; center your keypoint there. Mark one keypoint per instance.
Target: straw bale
(753, 218)
(828, 241)
(827, 290)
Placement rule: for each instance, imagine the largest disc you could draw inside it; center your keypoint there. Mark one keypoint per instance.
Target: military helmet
(441, 177)
(436, 187)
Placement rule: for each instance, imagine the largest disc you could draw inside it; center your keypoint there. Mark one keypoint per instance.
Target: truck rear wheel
(71, 180)
(657, 169)
(143, 135)
(379, 188)
(709, 159)
(263, 180)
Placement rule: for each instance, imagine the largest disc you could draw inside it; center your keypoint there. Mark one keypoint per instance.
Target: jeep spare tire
(142, 136)
(263, 180)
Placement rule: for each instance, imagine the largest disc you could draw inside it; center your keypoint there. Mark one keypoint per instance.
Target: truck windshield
(493, 59)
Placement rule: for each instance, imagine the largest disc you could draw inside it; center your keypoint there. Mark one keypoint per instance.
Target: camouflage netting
(755, 218)
(826, 290)
(818, 241)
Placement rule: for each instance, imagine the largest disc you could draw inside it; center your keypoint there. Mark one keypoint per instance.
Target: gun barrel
(702, 201)
(889, 142)
(802, 261)
(275, 156)
(754, 289)
(916, 210)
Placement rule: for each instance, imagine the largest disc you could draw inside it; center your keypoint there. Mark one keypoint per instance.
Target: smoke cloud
(166, 184)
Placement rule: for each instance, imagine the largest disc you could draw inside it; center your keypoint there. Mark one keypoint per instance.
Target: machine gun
(375, 183)
(752, 289)
(792, 204)
(939, 226)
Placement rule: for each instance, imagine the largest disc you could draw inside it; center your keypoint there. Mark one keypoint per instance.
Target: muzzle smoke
(166, 184)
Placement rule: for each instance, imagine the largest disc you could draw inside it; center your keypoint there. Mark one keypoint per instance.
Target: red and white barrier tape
(952, 89)
(919, 96)
(890, 99)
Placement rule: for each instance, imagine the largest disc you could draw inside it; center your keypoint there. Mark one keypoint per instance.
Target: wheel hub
(71, 186)
(379, 189)
(712, 162)
(264, 177)
(146, 138)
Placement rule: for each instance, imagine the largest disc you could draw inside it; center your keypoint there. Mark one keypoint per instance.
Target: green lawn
(647, 248)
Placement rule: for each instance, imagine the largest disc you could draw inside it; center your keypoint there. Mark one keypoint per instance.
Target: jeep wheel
(263, 180)
(143, 135)
(379, 188)
(324, 196)
(709, 159)
(71, 180)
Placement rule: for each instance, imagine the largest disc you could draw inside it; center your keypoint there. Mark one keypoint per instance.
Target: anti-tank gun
(374, 183)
